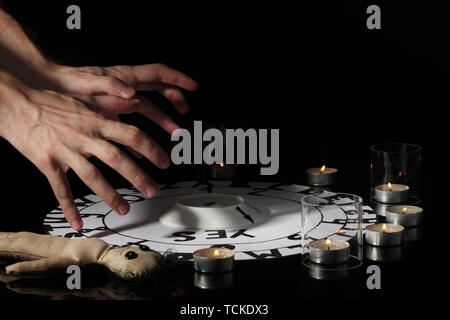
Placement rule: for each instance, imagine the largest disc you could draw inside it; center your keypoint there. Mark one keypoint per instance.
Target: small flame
(222, 165)
(384, 227)
(404, 210)
(390, 186)
(400, 174)
(340, 231)
(322, 169)
(371, 166)
(328, 241)
(216, 253)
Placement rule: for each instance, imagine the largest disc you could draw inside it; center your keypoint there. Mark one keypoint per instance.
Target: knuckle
(100, 71)
(135, 134)
(140, 180)
(73, 101)
(150, 147)
(113, 199)
(112, 82)
(46, 161)
(175, 95)
(96, 119)
(160, 67)
(114, 155)
(61, 195)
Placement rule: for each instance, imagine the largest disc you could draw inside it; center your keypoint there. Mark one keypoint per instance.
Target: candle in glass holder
(391, 193)
(407, 216)
(213, 260)
(329, 251)
(223, 171)
(321, 176)
(383, 234)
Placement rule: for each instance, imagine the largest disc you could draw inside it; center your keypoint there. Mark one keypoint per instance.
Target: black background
(312, 70)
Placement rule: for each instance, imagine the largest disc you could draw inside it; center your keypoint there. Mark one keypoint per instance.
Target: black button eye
(130, 255)
(144, 248)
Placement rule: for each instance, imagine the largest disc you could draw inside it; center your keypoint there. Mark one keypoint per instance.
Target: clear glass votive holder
(332, 231)
(394, 173)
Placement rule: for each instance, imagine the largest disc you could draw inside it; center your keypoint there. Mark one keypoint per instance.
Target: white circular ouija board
(268, 228)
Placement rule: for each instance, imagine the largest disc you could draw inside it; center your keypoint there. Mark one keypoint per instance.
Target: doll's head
(131, 262)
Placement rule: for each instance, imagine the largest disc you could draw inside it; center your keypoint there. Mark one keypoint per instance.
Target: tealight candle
(213, 260)
(383, 234)
(407, 216)
(391, 193)
(321, 176)
(329, 251)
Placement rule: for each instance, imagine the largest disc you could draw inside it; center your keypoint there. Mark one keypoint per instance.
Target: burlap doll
(40, 254)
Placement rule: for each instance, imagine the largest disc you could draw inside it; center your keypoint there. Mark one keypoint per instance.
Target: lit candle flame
(328, 241)
(404, 210)
(322, 169)
(390, 186)
(222, 165)
(216, 253)
(384, 227)
(340, 231)
(400, 174)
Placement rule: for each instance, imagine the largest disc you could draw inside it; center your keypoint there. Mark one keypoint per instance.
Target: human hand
(57, 132)
(121, 81)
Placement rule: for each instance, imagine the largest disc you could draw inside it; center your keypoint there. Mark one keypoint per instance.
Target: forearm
(12, 90)
(19, 55)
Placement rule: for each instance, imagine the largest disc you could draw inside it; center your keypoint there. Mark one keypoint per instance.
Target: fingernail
(123, 208)
(77, 225)
(127, 92)
(150, 191)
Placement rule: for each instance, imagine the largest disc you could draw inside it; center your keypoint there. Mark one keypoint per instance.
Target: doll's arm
(36, 267)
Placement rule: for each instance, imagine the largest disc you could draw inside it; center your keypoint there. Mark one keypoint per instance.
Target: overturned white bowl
(210, 211)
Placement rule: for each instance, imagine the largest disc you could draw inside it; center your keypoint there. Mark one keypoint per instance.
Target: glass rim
(415, 147)
(354, 196)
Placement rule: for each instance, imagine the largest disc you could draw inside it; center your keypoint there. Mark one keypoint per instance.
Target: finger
(107, 103)
(161, 73)
(134, 138)
(111, 86)
(148, 109)
(171, 93)
(61, 189)
(115, 117)
(92, 177)
(135, 153)
(123, 164)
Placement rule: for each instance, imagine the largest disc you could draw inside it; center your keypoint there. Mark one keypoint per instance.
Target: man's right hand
(58, 132)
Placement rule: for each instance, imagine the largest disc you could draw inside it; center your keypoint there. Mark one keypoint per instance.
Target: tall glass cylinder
(394, 174)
